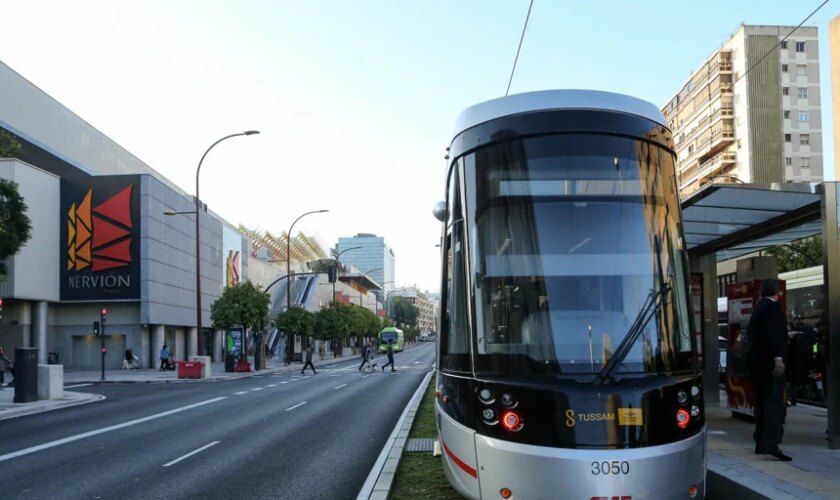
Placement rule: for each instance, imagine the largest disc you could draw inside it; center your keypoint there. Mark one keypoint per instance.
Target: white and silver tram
(566, 367)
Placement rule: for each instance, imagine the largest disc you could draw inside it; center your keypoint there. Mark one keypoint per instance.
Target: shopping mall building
(100, 239)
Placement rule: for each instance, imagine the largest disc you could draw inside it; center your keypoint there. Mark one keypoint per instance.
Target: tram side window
(454, 342)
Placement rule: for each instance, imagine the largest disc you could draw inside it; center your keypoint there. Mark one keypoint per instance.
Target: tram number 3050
(612, 468)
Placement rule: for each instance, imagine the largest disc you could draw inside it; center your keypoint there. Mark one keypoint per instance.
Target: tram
(565, 363)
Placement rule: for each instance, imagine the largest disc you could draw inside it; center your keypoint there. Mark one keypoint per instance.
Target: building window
(787, 114)
(800, 46)
(787, 137)
(803, 116)
(783, 44)
(785, 91)
(784, 68)
(806, 162)
(788, 160)
(803, 92)
(690, 150)
(801, 70)
(804, 139)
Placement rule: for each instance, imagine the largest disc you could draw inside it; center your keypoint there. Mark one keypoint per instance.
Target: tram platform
(735, 471)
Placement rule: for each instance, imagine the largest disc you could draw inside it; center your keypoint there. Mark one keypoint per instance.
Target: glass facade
(375, 257)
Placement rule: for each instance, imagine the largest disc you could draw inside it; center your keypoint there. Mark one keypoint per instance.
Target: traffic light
(96, 328)
(103, 314)
(332, 273)
(1, 307)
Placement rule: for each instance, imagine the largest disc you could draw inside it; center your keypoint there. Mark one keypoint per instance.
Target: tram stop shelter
(727, 221)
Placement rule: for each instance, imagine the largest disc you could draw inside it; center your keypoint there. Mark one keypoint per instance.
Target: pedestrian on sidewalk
(308, 354)
(164, 358)
(767, 339)
(5, 364)
(390, 353)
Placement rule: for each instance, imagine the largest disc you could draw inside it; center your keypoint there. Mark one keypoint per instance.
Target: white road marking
(271, 385)
(339, 387)
(416, 362)
(240, 393)
(188, 455)
(285, 382)
(77, 385)
(257, 388)
(332, 366)
(366, 376)
(295, 406)
(84, 435)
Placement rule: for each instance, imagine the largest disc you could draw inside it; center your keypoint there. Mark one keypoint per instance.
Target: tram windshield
(574, 247)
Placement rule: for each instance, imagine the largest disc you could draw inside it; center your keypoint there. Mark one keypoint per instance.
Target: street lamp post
(336, 270)
(288, 272)
(199, 343)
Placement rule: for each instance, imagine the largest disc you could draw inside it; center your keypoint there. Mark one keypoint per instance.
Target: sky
(355, 99)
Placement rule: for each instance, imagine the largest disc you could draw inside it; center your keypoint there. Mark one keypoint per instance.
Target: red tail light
(512, 421)
(683, 418)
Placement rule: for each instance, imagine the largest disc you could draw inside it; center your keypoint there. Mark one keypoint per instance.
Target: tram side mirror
(439, 211)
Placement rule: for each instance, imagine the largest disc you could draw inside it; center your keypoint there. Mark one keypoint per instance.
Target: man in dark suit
(767, 338)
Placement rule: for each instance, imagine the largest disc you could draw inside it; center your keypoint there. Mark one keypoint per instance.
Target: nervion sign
(100, 238)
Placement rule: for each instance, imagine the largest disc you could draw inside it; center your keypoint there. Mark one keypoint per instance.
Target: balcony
(724, 111)
(708, 169)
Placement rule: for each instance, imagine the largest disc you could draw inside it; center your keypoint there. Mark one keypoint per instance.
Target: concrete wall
(34, 270)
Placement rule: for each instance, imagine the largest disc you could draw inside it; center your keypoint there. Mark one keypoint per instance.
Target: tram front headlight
(683, 418)
(508, 401)
(512, 421)
(695, 391)
(682, 397)
(489, 415)
(486, 396)
(695, 411)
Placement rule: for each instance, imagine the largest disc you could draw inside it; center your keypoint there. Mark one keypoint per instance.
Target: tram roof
(732, 220)
(544, 100)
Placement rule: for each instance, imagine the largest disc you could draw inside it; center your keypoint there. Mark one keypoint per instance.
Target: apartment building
(425, 306)
(751, 111)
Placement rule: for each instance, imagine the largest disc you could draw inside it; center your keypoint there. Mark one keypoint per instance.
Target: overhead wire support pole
(521, 39)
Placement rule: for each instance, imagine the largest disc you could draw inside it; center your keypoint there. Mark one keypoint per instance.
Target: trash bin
(230, 363)
(26, 374)
(190, 369)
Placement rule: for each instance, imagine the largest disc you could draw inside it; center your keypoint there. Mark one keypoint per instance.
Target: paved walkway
(8, 409)
(217, 372)
(813, 473)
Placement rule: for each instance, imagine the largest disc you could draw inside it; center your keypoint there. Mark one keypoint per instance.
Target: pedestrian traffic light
(104, 314)
(96, 328)
(332, 273)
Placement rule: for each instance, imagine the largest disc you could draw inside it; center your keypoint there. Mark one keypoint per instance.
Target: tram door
(742, 298)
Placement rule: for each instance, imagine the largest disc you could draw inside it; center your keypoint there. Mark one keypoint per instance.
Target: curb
(381, 478)
(179, 380)
(23, 412)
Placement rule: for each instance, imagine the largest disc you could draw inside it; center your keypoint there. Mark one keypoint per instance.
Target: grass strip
(420, 475)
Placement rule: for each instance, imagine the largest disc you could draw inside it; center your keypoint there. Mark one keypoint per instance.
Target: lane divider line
(84, 435)
(271, 385)
(257, 389)
(188, 455)
(77, 385)
(240, 393)
(339, 387)
(295, 406)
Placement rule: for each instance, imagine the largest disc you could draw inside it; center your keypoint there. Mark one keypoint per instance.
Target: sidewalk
(147, 375)
(8, 409)
(813, 473)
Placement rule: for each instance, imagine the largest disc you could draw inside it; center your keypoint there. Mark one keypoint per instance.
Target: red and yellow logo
(100, 238)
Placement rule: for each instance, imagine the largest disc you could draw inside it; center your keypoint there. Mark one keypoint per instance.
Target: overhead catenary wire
(521, 39)
(780, 41)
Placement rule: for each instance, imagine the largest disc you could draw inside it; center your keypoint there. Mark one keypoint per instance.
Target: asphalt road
(269, 436)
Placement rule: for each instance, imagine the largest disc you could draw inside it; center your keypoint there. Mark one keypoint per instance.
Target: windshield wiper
(648, 311)
(651, 306)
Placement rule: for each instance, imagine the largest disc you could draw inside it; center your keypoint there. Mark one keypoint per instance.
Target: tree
(296, 321)
(15, 226)
(798, 254)
(242, 305)
(331, 324)
(405, 313)
(9, 145)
